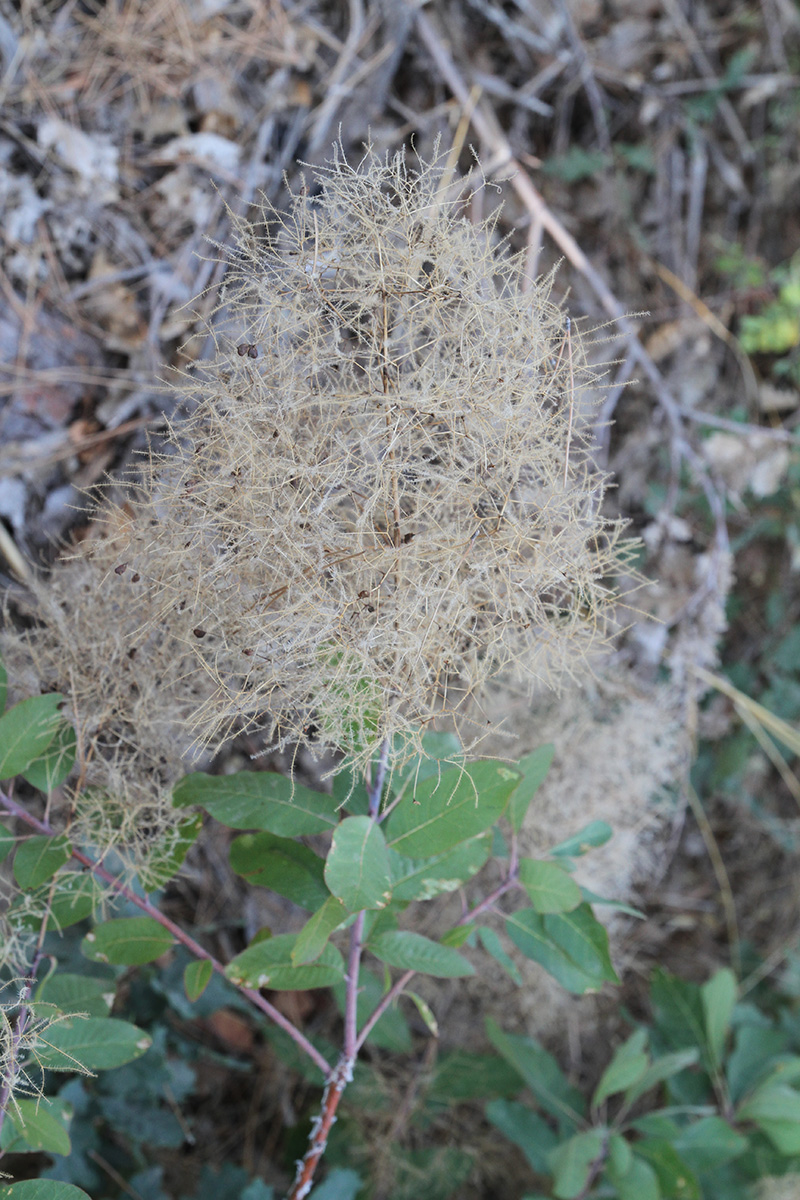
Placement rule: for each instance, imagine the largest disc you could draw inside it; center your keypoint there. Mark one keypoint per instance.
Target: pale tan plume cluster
(379, 509)
(381, 503)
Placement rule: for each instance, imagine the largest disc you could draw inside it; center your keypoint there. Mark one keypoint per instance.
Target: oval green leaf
(550, 887)
(573, 946)
(719, 1000)
(595, 834)
(626, 1068)
(92, 1044)
(572, 1161)
(39, 857)
(285, 866)
(413, 952)
(541, 1073)
(196, 978)
(40, 1124)
(422, 879)
(534, 768)
(26, 731)
(357, 869)
(269, 964)
(42, 1189)
(258, 800)
(77, 994)
(127, 941)
(450, 808)
(50, 769)
(313, 937)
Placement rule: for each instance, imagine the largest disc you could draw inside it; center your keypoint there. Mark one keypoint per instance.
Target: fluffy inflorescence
(381, 502)
(97, 636)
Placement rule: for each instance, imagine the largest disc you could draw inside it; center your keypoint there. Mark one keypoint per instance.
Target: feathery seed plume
(382, 501)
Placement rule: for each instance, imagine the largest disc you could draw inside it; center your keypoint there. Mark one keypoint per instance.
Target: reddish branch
(191, 945)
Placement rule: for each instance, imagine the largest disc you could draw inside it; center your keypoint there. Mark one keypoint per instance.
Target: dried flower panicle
(390, 505)
(130, 687)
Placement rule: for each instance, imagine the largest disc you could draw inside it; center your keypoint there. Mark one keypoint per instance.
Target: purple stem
(191, 945)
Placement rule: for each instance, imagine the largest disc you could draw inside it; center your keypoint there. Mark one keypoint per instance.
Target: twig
(728, 112)
(185, 940)
(320, 1128)
(721, 874)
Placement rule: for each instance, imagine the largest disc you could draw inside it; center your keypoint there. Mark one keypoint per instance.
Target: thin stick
(571, 402)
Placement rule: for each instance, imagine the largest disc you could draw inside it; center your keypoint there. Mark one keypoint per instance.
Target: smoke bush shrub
(378, 512)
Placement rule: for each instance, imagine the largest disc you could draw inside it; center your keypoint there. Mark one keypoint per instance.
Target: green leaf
(40, 1125)
(620, 1155)
(534, 768)
(571, 1162)
(677, 1010)
(283, 865)
(3, 686)
(425, 1011)
(709, 1144)
(663, 1068)
(450, 808)
(551, 889)
(350, 793)
(7, 842)
(422, 879)
(756, 1049)
(525, 1129)
(357, 869)
(340, 1184)
(595, 834)
(39, 857)
(618, 905)
(625, 1069)
(196, 978)
(638, 1183)
(270, 965)
(437, 749)
(540, 1071)
(460, 1076)
(77, 993)
(572, 946)
(719, 998)
(492, 945)
(51, 768)
(675, 1178)
(42, 1189)
(127, 941)
(94, 1044)
(76, 897)
(457, 936)
(313, 937)
(165, 859)
(413, 952)
(775, 1108)
(26, 731)
(258, 800)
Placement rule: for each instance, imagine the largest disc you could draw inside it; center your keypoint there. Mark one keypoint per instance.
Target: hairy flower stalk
(381, 504)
